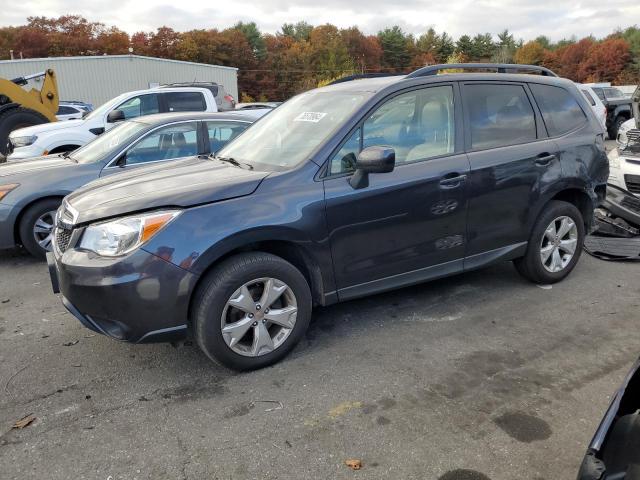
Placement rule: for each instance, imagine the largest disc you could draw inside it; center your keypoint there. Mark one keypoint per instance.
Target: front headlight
(614, 159)
(23, 141)
(123, 235)
(623, 140)
(5, 189)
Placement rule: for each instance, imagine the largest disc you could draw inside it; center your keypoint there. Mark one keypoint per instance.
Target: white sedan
(624, 161)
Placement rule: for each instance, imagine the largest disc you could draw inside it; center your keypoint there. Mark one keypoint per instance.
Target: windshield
(105, 107)
(612, 93)
(113, 139)
(290, 133)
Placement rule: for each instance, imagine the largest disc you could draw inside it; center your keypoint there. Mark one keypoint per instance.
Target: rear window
(560, 110)
(185, 102)
(499, 115)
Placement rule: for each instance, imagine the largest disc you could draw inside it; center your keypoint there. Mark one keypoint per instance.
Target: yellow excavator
(23, 108)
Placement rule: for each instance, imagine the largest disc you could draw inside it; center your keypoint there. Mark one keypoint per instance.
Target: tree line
(301, 56)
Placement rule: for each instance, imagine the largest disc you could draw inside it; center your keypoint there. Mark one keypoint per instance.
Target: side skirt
(433, 272)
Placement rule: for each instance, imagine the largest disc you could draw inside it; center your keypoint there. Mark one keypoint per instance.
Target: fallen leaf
(353, 463)
(24, 421)
(70, 344)
(5, 300)
(343, 408)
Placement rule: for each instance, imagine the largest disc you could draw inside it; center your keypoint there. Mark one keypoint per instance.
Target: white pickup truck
(60, 137)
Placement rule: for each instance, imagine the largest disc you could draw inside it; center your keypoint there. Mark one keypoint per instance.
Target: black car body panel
(462, 210)
(153, 293)
(202, 180)
(613, 451)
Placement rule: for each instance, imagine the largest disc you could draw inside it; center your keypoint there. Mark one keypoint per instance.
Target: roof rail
(498, 67)
(358, 76)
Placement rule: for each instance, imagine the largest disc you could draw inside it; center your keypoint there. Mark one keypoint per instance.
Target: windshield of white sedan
(289, 134)
(115, 138)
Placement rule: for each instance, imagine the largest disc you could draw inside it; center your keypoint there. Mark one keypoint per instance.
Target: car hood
(37, 164)
(46, 127)
(181, 183)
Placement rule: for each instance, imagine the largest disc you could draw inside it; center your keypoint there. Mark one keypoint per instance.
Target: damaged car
(624, 161)
(344, 191)
(613, 452)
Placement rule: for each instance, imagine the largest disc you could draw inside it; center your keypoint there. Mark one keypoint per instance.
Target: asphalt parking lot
(478, 376)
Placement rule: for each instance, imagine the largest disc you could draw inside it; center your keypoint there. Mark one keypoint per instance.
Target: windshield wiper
(68, 155)
(233, 161)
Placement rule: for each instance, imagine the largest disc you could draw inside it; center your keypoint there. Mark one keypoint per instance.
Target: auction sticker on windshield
(314, 117)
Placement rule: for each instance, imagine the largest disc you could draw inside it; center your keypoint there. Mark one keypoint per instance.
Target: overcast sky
(526, 19)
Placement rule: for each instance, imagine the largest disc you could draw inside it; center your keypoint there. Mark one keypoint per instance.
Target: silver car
(32, 190)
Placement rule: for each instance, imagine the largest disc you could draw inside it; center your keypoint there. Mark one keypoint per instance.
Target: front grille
(633, 183)
(63, 237)
(633, 142)
(631, 203)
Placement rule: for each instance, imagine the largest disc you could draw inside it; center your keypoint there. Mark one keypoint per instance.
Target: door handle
(544, 159)
(452, 180)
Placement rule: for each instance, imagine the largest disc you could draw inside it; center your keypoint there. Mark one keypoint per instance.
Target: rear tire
(233, 297)
(15, 118)
(549, 258)
(33, 224)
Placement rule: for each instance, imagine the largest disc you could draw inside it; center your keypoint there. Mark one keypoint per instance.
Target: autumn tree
(112, 41)
(365, 51)
(531, 53)
(605, 61)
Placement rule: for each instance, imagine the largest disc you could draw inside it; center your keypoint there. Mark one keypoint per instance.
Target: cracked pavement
(477, 376)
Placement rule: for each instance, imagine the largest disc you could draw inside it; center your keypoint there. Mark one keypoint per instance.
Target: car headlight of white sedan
(23, 141)
(122, 235)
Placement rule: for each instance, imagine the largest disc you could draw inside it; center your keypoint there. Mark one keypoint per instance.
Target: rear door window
(499, 115)
(221, 133)
(560, 110)
(185, 102)
(166, 143)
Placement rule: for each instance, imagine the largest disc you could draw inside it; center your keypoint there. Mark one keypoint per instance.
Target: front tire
(36, 227)
(555, 244)
(613, 130)
(251, 310)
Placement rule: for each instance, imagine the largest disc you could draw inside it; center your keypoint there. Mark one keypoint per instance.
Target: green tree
(444, 47)
(298, 31)
(254, 37)
(395, 54)
(464, 45)
(483, 46)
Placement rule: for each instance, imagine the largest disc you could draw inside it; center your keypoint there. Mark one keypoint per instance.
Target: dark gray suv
(343, 191)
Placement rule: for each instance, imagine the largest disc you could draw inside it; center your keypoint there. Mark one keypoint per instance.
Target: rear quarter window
(185, 102)
(560, 110)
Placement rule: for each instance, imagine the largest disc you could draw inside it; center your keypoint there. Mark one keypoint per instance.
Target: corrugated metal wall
(98, 79)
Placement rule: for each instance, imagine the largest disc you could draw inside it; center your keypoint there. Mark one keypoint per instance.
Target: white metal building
(98, 79)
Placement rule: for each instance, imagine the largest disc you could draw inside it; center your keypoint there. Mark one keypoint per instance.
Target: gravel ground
(478, 376)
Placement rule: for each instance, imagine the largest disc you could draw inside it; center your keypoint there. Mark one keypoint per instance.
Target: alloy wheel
(559, 243)
(259, 317)
(43, 230)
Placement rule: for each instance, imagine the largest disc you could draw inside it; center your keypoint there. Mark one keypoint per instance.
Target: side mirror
(380, 159)
(115, 116)
(122, 161)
